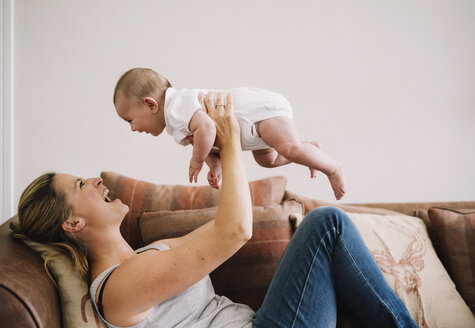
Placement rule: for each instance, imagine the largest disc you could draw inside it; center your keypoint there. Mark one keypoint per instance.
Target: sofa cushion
(145, 196)
(310, 204)
(402, 249)
(76, 305)
(246, 276)
(453, 235)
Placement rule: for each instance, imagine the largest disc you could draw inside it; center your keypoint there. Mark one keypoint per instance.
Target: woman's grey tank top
(196, 307)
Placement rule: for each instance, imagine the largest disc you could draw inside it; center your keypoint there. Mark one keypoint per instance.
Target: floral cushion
(402, 249)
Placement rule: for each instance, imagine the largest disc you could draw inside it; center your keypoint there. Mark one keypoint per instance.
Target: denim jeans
(327, 261)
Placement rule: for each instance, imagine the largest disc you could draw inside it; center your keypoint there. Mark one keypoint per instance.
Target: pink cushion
(146, 196)
(246, 276)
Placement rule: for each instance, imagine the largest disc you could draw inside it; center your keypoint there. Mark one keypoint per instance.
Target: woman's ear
(73, 224)
(152, 104)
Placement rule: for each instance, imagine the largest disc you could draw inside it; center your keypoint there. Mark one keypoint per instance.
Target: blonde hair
(141, 83)
(41, 211)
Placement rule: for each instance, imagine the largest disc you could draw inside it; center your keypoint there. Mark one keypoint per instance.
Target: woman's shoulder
(160, 246)
(100, 271)
(98, 280)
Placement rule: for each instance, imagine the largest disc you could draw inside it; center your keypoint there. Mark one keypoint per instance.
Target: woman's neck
(107, 250)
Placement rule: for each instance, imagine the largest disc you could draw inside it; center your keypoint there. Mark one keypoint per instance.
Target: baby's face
(138, 115)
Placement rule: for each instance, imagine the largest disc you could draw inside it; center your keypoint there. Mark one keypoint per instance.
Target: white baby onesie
(251, 105)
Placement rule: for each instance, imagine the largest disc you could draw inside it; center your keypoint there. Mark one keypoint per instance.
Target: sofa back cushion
(246, 276)
(143, 196)
(310, 203)
(453, 235)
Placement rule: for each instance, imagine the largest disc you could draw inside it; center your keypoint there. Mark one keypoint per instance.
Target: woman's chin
(125, 209)
(118, 207)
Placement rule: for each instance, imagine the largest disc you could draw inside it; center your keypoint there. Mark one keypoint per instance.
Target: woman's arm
(159, 275)
(174, 242)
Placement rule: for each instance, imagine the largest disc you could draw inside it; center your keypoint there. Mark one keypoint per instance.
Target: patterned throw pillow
(402, 248)
(76, 307)
(145, 196)
(246, 276)
(453, 234)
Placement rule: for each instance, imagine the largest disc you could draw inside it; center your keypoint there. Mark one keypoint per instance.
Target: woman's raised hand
(227, 126)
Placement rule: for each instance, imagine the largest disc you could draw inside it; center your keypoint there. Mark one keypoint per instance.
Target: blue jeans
(326, 261)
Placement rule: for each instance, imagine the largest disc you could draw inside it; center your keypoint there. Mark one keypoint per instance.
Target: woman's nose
(95, 181)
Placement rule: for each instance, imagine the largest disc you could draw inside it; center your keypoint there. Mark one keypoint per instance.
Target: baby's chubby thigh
(277, 131)
(254, 107)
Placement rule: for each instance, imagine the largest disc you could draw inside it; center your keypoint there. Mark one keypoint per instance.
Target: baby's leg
(313, 172)
(271, 158)
(279, 133)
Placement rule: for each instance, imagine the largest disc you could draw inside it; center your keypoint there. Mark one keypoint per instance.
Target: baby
(147, 101)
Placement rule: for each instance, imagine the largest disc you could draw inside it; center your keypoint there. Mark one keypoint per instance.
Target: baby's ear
(152, 104)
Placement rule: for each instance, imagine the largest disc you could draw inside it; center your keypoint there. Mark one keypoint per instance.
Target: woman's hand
(227, 126)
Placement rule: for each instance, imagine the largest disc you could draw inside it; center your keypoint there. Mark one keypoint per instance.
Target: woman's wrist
(229, 147)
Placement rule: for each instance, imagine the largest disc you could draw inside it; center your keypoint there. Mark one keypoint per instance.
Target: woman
(166, 284)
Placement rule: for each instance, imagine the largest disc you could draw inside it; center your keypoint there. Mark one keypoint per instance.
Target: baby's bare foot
(337, 181)
(313, 172)
(315, 143)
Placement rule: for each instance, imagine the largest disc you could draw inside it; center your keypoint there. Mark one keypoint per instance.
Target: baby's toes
(315, 143)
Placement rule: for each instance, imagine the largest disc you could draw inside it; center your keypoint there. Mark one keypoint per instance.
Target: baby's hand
(214, 176)
(194, 169)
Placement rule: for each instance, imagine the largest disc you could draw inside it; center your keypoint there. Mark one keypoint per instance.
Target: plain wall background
(387, 87)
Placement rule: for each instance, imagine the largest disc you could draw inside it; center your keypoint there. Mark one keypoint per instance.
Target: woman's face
(88, 200)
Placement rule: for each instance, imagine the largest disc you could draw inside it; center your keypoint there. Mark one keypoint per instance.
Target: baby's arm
(204, 134)
(214, 175)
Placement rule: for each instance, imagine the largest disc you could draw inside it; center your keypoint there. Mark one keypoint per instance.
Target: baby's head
(140, 83)
(139, 96)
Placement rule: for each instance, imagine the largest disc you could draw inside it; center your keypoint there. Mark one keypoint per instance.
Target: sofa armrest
(13, 312)
(28, 297)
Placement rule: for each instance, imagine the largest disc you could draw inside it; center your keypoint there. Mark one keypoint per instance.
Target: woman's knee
(328, 216)
(327, 211)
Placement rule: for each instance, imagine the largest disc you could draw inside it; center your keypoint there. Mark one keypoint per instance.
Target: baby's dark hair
(141, 83)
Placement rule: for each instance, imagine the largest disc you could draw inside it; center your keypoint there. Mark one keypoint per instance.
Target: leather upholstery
(28, 297)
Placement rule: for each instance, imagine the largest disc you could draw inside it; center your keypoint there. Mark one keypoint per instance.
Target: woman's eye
(81, 184)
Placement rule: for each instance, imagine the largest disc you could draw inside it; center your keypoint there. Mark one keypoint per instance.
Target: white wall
(387, 87)
(6, 109)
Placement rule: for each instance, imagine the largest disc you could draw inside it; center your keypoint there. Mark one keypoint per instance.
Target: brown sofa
(28, 298)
